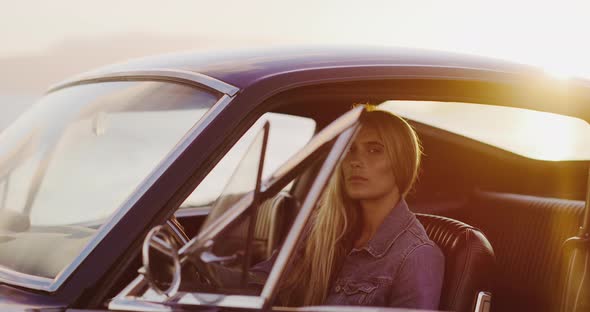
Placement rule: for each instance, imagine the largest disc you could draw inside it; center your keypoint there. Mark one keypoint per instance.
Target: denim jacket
(398, 267)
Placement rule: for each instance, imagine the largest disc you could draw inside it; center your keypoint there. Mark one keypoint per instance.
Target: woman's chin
(358, 194)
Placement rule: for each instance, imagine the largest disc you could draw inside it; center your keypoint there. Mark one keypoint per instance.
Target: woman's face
(366, 168)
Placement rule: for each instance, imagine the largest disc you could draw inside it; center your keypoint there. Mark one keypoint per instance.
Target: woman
(365, 246)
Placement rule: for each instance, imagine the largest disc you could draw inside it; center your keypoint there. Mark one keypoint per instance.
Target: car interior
(517, 211)
(500, 219)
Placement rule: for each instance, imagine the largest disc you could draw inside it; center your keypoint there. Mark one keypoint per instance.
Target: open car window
(290, 133)
(222, 279)
(243, 183)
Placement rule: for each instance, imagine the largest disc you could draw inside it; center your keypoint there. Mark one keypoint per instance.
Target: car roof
(243, 67)
(280, 68)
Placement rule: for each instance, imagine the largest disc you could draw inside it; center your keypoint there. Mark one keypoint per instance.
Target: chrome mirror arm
(574, 249)
(584, 229)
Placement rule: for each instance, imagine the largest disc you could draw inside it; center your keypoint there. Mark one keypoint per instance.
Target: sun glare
(532, 134)
(551, 136)
(560, 71)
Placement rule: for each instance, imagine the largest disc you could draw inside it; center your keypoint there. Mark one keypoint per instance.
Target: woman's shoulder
(415, 240)
(416, 229)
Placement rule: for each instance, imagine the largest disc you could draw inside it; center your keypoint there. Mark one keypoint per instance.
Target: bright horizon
(548, 35)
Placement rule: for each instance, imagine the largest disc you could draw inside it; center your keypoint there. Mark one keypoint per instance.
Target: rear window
(525, 132)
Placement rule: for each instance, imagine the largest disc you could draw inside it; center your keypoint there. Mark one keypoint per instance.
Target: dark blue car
(129, 187)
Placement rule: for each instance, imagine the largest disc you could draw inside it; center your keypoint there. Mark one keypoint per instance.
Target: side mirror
(161, 265)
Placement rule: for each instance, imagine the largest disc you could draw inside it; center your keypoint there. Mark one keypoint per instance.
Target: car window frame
(224, 93)
(346, 126)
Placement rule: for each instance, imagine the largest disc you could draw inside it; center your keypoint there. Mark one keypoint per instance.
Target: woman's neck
(373, 212)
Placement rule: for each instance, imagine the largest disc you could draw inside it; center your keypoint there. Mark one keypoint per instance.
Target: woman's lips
(357, 179)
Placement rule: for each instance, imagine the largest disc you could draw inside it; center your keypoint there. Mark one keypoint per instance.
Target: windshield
(69, 162)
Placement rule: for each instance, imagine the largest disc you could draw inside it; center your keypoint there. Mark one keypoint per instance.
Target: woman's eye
(374, 150)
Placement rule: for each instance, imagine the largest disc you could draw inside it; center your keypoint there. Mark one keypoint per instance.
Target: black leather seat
(469, 261)
(469, 257)
(527, 233)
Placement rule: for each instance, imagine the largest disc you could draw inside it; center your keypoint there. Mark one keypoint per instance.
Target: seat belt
(575, 292)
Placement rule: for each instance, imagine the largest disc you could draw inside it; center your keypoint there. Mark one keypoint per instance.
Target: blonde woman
(365, 246)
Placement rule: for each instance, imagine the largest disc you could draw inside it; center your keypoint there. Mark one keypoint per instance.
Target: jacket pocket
(356, 292)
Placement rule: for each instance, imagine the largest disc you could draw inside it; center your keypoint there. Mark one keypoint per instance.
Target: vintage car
(128, 187)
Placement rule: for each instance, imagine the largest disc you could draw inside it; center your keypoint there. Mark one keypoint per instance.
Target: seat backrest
(469, 261)
(527, 233)
(269, 230)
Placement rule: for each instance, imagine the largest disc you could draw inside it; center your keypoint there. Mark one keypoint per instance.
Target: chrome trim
(38, 283)
(21, 279)
(568, 285)
(136, 298)
(328, 133)
(285, 254)
(226, 301)
(166, 74)
(125, 304)
(577, 299)
(584, 230)
(483, 303)
(134, 287)
(193, 299)
(192, 212)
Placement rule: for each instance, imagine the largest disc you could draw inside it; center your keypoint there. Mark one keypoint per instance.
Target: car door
(236, 207)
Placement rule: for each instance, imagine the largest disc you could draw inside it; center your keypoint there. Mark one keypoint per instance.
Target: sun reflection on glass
(550, 136)
(532, 134)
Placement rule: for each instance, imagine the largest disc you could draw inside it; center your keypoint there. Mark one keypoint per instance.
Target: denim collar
(394, 224)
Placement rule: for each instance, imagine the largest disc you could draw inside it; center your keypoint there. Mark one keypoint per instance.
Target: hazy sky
(554, 35)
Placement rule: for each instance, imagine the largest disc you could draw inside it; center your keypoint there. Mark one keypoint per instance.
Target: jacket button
(338, 288)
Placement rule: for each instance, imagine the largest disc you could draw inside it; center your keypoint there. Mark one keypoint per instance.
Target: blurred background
(43, 42)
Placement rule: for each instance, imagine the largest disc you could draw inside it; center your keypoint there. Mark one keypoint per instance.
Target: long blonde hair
(335, 220)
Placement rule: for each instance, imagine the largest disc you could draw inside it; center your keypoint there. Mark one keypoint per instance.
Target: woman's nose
(354, 161)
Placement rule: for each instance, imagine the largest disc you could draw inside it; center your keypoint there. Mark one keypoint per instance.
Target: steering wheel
(199, 271)
(161, 266)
